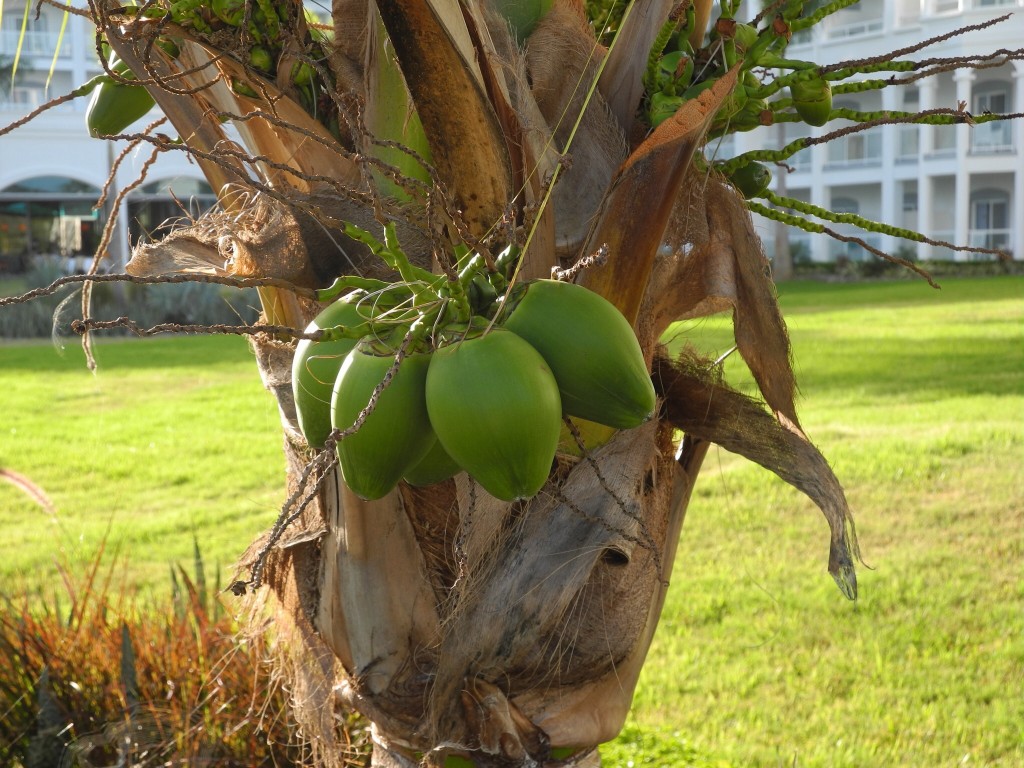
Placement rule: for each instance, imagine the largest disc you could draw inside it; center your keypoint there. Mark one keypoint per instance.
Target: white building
(961, 183)
(51, 170)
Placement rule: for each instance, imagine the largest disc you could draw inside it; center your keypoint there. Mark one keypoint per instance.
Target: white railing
(908, 13)
(949, 7)
(992, 138)
(943, 141)
(989, 238)
(856, 29)
(864, 148)
(34, 44)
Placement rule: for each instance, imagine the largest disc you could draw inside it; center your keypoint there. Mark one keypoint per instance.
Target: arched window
(47, 216)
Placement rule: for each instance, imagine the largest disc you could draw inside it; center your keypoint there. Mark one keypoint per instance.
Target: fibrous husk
(302, 242)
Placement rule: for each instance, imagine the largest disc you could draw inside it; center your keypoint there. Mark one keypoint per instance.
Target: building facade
(52, 172)
(961, 183)
(964, 184)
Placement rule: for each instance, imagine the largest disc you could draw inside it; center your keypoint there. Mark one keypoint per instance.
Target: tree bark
(503, 633)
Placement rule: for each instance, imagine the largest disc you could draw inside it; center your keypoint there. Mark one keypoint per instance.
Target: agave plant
(423, 146)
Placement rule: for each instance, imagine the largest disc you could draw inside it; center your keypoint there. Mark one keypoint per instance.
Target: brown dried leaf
(698, 403)
(562, 58)
(653, 174)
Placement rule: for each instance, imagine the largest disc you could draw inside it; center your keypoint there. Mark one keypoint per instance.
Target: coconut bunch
(463, 374)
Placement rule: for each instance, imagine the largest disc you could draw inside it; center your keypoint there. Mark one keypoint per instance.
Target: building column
(819, 244)
(1017, 220)
(892, 204)
(924, 213)
(926, 90)
(962, 200)
(76, 36)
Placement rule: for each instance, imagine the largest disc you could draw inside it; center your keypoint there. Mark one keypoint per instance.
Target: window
(990, 218)
(845, 205)
(47, 216)
(991, 97)
(996, 136)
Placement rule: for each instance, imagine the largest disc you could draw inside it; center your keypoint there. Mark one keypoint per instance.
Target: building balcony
(908, 143)
(861, 28)
(35, 43)
(857, 149)
(992, 138)
(952, 7)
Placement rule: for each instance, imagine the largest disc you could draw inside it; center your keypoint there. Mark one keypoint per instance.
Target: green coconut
(115, 105)
(812, 100)
(591, 349)
(494, 405)
(751, 179)
(396, 434)
(436, 467)
(316, 365)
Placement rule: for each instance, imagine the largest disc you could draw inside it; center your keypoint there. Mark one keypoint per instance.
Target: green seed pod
(745, 36)
(592, 350)
(751, 116)
(436, 467)
(231, 12)
(242, 88)
(675, 70)
(396, 435)
(302, 73)
(812, 100)
(751, 179)
(114, 106)
(168, 46)
(481, 294)
(494, 404)
(260, 58)
(316, 364)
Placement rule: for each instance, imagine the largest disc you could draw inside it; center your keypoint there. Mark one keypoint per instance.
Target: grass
(169, 437)
(916, 396)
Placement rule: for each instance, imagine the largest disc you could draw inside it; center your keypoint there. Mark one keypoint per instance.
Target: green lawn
(916, 396)
(169, 437)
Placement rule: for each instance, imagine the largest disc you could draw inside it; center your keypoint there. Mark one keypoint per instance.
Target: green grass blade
(56, 48)
(21, 41)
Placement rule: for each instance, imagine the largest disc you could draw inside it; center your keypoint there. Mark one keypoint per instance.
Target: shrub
(148, 305)
(93, 681)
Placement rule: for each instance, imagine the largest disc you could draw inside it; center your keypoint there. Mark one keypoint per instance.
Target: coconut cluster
(486, 396)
